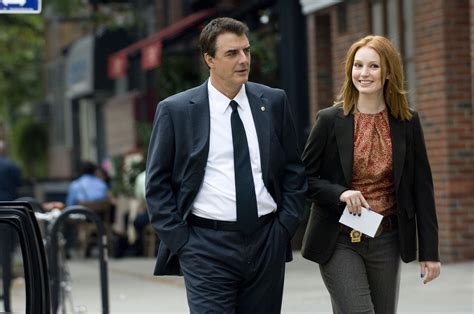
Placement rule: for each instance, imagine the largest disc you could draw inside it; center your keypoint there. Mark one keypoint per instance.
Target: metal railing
(59, 284)
(47, 288)
(21, 217)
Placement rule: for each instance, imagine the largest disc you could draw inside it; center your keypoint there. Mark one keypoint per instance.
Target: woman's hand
(430, 270)
(354, 201)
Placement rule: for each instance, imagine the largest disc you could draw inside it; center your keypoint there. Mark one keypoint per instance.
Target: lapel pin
(262, 108)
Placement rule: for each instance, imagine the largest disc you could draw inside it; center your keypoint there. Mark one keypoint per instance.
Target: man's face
(230, 66)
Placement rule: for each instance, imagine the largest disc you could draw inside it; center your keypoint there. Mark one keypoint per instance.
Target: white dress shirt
(216, 198)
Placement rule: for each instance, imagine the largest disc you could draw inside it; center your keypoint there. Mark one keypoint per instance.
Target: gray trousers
(364, 277)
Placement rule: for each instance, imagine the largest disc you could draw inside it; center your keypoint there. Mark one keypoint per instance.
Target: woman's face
(367, 72)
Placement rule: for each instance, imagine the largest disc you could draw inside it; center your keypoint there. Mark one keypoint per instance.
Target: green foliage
(264, 48)
(21, 45)
(111, 15)
(30, 146)
(117, 185)
(143, 130)
(66, 8)
(176, 74)
(126, 169)
(179, 72)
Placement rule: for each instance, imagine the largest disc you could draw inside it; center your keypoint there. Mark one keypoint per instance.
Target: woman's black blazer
(328, 159)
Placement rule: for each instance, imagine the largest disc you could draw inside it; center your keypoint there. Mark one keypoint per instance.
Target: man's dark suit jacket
(177, 158)
(328, 159)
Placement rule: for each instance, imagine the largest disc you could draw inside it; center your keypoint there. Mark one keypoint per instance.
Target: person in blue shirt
(88, 187)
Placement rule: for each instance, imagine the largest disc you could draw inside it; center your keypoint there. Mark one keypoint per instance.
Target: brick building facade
(436, 40)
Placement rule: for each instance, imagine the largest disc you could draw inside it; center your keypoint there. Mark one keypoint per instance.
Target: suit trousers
(364, 277)
(229, 272)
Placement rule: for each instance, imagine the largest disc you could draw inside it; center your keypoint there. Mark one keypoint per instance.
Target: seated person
(88, 187)
(92, 192)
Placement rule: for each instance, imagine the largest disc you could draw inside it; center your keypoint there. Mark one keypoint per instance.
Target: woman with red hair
(367, 151)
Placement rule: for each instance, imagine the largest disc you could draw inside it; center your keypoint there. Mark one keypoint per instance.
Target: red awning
(151, 46)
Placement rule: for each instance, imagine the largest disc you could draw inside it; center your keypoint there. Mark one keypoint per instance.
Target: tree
(21, 53)
(21, 43)
(30, 146)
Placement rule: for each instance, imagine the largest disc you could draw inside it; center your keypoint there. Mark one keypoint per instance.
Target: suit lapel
(199, 118)
(344, 129)
(397, 136)
(261, 117)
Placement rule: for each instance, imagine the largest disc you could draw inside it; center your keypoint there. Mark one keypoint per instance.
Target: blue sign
(20, 6)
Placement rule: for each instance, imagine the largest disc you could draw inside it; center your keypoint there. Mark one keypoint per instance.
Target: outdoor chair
(87, 230)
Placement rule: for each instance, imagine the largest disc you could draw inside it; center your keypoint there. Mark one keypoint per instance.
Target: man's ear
(209, 60)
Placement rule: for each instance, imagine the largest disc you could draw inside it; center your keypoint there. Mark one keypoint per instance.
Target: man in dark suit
(225, 184)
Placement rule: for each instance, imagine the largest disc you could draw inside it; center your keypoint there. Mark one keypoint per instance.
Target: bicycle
(65, 287)
(55, 244)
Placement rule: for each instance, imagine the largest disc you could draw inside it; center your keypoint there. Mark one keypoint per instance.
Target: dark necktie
(247, 214)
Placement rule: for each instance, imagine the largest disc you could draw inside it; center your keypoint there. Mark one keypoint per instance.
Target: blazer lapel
(344, 129)
(261, 117)
(397, 136)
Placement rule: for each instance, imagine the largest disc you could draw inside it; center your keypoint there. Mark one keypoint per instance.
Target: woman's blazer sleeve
(322, 189)
(427, 222)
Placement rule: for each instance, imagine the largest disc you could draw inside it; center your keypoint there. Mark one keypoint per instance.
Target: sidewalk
(133, 289)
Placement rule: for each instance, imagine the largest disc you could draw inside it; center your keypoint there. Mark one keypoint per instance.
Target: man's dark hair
(88, 167)
(220, 25)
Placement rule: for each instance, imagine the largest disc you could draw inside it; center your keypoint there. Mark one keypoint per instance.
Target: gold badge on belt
(355, 236)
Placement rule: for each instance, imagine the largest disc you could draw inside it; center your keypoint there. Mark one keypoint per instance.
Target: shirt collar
(218, 98)
(241, 98)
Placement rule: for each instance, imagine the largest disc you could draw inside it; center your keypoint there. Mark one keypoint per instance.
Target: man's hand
(354, 201)
(430, 270)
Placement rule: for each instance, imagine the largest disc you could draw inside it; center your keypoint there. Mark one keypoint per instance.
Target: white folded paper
(367, 223)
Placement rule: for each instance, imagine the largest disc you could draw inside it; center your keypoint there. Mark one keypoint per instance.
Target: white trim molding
(311, 6)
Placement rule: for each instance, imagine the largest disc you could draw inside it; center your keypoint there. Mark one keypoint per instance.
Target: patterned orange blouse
(372, 167)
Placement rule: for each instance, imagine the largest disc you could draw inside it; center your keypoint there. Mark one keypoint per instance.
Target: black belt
(388, 224)
(225, 225)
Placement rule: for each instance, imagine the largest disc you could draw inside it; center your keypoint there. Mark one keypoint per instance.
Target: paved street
(134, 290)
